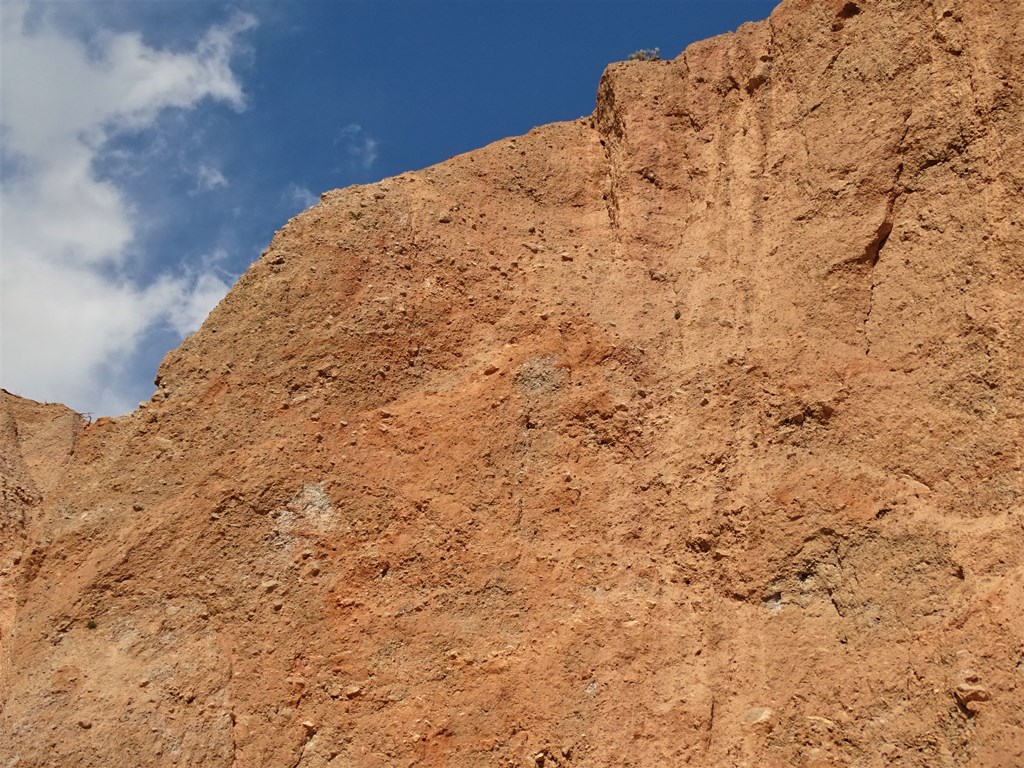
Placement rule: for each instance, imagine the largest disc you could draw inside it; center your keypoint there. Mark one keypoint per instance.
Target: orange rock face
(690, 433)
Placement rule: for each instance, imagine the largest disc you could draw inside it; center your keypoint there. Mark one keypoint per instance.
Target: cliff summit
(687, 433)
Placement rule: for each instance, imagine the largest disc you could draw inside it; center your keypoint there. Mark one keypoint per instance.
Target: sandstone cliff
(690, 433)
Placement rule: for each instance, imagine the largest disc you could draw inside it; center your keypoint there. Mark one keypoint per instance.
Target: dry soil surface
(689, 433)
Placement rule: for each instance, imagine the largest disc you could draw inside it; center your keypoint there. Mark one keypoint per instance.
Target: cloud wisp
(361, 149)
(72, 313)
(209, 177)
(298, 198)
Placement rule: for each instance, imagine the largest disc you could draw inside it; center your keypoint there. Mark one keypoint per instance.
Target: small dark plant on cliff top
(645, 54)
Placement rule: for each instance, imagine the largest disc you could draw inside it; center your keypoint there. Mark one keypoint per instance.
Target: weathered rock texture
(686, 434)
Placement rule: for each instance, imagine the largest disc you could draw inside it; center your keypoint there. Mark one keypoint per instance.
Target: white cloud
(361, 149)
(69, 316)
(191, 303)
(208, 178)
(86, 325)
(299, 197)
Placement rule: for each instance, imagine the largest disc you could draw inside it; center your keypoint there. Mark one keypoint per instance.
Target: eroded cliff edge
(688, 433)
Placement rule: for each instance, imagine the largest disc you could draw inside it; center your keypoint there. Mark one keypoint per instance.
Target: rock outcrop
(690, 433)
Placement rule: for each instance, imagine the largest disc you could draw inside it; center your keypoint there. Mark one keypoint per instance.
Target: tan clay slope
(688, 434)
(36, 442)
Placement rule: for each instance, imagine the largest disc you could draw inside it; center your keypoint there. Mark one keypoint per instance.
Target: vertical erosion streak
(873, 251)
(877, 243)
(608, 122)
(612, 195)
(871, 255)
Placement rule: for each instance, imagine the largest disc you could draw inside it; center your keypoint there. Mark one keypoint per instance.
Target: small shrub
(91, 624)
(645, 54)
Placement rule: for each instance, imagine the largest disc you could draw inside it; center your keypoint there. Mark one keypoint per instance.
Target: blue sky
(151, 147)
